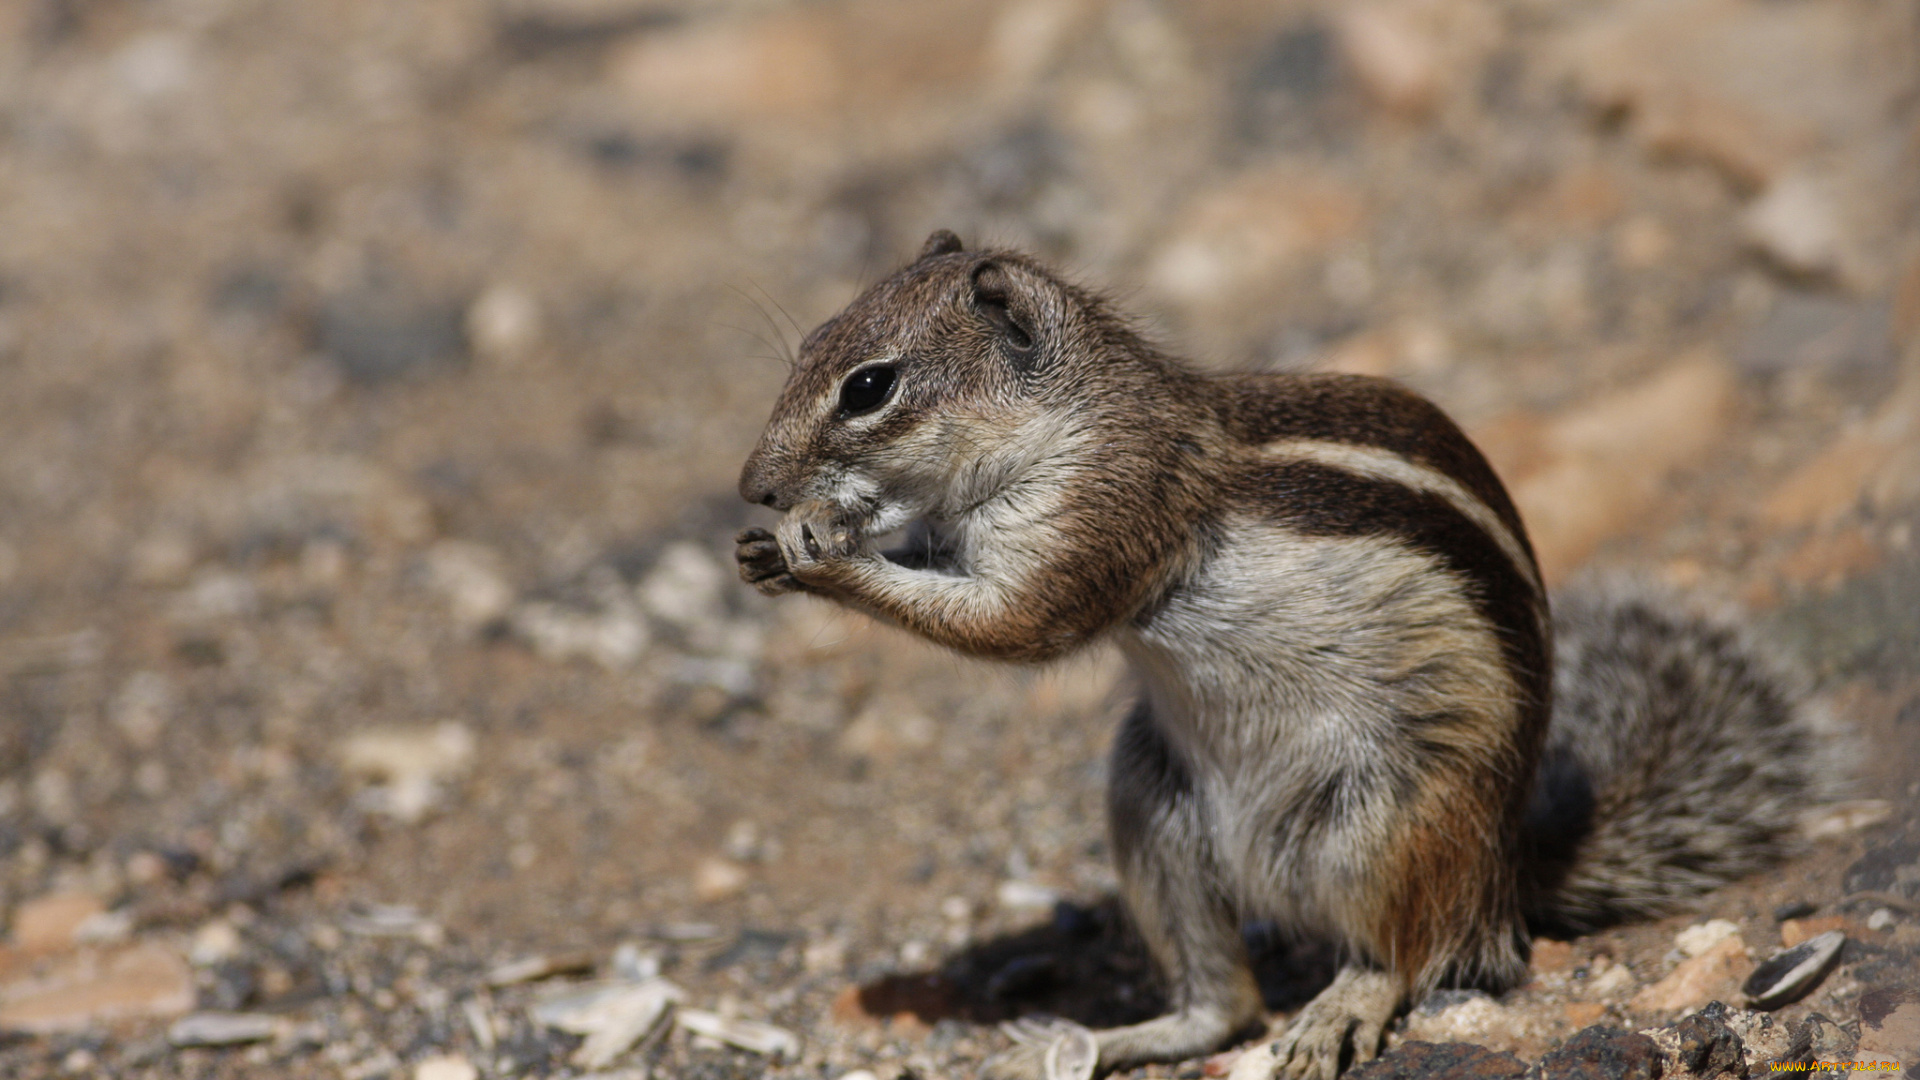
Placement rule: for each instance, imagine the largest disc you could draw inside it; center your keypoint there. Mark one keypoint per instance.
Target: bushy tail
(1680, 757)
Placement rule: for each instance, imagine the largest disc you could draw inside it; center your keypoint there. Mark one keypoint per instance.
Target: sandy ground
(374, 378)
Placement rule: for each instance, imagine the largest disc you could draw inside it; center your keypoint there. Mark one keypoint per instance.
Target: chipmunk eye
(866, 389)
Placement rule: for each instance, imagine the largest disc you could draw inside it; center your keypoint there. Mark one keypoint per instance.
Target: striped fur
(1331, 605)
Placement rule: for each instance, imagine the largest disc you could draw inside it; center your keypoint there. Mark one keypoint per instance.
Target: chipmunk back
(1344, 648)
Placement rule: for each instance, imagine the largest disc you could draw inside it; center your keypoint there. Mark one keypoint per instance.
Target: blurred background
(374, 377)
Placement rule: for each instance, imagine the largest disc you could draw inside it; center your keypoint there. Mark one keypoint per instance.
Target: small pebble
(480, 1022)
(1880, 919)
(222, 1029)
(764, 1039)
(1798, 909)
(1697, 939)
(535, 968)
(450, 1067)
(215, 943)
(1021, 895)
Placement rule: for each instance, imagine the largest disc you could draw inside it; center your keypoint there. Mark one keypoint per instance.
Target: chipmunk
(1357, 718)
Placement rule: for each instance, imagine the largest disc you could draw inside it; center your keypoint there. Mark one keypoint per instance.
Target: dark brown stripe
(1320, 500)
(1363, 411)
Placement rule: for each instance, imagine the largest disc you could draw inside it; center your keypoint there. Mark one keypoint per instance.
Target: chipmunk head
(913, 401)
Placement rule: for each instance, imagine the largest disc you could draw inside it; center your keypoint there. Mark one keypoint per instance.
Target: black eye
(866, 389)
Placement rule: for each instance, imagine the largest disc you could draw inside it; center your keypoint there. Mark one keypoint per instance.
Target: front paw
(761, 563)
(815, 538)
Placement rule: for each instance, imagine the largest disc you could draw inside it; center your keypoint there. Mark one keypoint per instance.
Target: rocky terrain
(376, 698)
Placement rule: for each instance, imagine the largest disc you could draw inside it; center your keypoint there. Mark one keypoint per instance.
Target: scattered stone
(611, 635)
(1819, 1039)
(503, 323)
(1413, 1060)
(1394, 57)
(1796, 223)
(448, 1067)
(142, 708)
(1612, 984)
(412, 762)
(215, 943)
(1714, 974)
(1879, 920)
(715, 878)
(1705, 1046)
(48, 924)
(393, 921)
(472, 579)
(1695, 940)
(623, 1019)
(757, 1038)
(1600, 1053)
(1470, 1016)
(635, 964)
(1797, 909)
(1793, 973)
(141, 980)
(535, 968)
(222, 1029)
(1023, 895)
(216, 596)
(480, 1022)
(582, 1010)
(1763, 1038)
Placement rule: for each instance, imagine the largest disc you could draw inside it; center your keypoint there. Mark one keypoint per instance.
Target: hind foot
(1341, 1027)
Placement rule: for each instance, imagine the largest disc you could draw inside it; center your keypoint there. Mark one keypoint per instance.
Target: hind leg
(1172, 889)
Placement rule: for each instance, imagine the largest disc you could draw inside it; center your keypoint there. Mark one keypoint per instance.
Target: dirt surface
(374, 378)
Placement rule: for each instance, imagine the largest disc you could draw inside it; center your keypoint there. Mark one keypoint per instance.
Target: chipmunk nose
(758, 485)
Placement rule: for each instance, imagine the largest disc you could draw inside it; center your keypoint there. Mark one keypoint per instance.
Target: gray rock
(1706, 1046)
(222, 1029)
(1441, 1061)
(1600, 1053)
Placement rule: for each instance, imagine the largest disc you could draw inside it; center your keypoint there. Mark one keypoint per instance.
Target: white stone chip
(748, 1035)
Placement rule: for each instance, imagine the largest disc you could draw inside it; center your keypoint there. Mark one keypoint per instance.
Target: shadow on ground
(1086, 965)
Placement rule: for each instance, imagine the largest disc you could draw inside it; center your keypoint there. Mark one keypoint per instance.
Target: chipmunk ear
(942, 242)
(998, 300)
